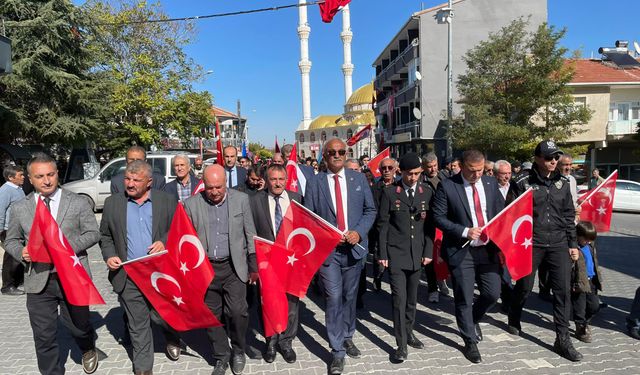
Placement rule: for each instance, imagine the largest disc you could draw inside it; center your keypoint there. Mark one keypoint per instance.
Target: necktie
(477, 206)
(230, 177)
(411, 195)
(278, 214)
(47, 202)
(339, 208)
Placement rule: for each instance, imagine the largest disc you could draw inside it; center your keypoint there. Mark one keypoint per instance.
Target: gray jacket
(75, 219)
(241, 229)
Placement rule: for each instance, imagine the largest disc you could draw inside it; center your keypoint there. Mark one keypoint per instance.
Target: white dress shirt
(284, 206)
(54, 203)
(343, 189)
(468, 189)
(406, 189)
(504, 190)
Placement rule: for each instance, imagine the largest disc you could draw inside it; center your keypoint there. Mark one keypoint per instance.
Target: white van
(98, 188)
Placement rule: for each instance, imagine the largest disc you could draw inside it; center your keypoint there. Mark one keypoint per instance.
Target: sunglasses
(386, 168)
(555, 157)
(334, 152)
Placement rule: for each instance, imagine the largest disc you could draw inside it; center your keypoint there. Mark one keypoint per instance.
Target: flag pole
(595, 189)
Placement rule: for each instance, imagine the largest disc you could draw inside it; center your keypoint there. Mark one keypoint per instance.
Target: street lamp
(445, 15)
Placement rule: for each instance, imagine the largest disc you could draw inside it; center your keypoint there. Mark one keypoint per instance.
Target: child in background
(586, 280)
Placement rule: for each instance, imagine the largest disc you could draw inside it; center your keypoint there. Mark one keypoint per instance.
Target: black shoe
(289, 355)
(471, 352)
(633, 327)
(514, 330)
(270, 353)
(238, 361)
(337, 366)
(583, 333)
(564, 347)
(90, 361)
(12, 291)
(377, 284)
(173, 351)
(413, 342)
(401, 354)
(478, 332)
(352, 350)
(220, 367)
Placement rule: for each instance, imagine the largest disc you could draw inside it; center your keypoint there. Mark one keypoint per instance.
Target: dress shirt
(219, 229)
(406, 189)
(54, 203)
(139, 222)
(504, 190)
(284, 206)
(468, 189)
(343, 189)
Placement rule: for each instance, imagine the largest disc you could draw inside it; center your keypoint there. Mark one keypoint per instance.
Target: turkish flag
(516, 244)
(374, 164)
(199, 188)
(597, 206)
(363, 133)
(275, 307)
(292, 170)
(170, 292)
(47, 244)
(439, 265)
(187, 252)
(219, 158)
(305, 240)
(330, 8)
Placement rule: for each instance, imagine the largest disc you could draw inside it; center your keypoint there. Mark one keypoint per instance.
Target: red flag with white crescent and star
(275, 306)
(329, 8)
(187, 251)
(292, 170)
(219, 156)
(440, 266)
(597, 205)
(374, 163)
(47, 244)
(170, 292)
(515, 244)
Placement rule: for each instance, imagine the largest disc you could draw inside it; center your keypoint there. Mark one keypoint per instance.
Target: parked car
(98, 188)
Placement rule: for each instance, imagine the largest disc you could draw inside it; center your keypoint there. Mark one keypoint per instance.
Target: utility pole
(445, 15)
(240, 129)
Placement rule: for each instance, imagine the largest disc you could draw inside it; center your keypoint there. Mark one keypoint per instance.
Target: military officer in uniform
(406, 244)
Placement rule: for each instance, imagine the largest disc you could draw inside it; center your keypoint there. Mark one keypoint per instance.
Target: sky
(254, 57)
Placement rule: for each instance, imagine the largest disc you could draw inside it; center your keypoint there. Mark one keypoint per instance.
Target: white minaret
(347, 68)
(305, 64)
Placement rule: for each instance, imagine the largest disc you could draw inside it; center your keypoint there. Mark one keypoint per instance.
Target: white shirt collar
(340, 173)
(11, 184)
(54, 197)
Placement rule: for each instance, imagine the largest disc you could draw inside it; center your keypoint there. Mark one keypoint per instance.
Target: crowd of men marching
(393, 218)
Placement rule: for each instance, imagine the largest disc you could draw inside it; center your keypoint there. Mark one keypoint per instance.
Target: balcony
(397, 66)
(622, 127)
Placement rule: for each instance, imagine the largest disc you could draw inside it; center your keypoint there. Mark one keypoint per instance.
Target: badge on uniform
(358, 188)
(397, 204)
(558, 184)
(423, 215)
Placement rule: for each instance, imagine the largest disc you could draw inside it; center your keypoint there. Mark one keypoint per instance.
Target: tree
(515, 92)
(258, 148)
(52, 96)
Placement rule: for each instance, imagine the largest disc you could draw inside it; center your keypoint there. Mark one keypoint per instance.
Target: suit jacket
(361, 209)
(113, 229)
(117, 182)
(76, 220)
(452, 214)
(172, 187)
(405, 227)
(261, 214)
(241, 229)
(241, 178)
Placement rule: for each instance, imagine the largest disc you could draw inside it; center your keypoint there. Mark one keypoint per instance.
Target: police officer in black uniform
(554, 243)
(406, 244)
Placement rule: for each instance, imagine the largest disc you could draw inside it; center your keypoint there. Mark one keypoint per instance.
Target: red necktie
(477, 206)
(339, 208)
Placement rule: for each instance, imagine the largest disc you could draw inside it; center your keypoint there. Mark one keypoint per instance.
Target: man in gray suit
(222, 217)
(77, 222)
(133, 226)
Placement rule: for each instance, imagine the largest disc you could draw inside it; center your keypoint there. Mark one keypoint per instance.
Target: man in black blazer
(463, 204)
(236, 176)
(406, 244)
(135, 153)
(268, 208)
(134, 225)
(185, 183)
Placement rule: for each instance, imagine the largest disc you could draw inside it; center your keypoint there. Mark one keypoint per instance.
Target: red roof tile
(219, 112)
(597, 71)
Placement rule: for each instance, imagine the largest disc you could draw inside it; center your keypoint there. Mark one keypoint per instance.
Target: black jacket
(553, 210)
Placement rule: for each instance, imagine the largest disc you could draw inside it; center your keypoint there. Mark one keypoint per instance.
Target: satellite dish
(637, 47)
(417, 113)
(419, 76)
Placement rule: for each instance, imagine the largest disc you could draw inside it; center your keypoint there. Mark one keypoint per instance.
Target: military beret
(410, 161)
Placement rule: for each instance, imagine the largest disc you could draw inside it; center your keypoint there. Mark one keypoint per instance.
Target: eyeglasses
(386, 168)
(555, 157)
(334, 152)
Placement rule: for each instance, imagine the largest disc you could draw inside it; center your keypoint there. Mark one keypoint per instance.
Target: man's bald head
(215, 183)
(277, 159)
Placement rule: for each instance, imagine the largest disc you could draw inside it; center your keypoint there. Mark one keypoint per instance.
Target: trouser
(635, 307)
(558, 262)
(226, 298)
(140, 314)
(506, 287)
(463, 276)
(432, 281)
(543, 279)
(285, 339)
(12, 271)
(404, 290)
(339, 277)
(585, 305)
(43, 316)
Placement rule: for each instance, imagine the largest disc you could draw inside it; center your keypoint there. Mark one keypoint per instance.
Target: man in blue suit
(344, 199)
(463, 205)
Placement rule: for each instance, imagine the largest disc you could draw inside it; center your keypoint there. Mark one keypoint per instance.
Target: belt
(219, 260)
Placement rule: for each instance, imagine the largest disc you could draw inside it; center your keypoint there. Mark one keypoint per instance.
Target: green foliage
(576, 150)
(515, 92)
(258, 148)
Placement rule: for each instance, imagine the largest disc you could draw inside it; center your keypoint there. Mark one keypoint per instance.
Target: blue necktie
(278, 215)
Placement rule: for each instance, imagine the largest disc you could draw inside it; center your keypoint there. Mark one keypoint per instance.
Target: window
(312, 137)
(580, 101)
(301, 137)
(113, 170)
(633, 187)
(349, 133)
(159, 165)
(335, 133)
(323, 136)
(302, 154)
(635, 111)
(623, 112)
(350, 152)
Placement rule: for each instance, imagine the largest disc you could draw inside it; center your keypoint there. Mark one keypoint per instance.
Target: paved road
(611, 352)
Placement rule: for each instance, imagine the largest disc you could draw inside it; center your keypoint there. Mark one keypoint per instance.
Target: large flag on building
(512, 231)
(47, 244)
(374, 163)
(330, 8)
(360, 135)
(597, 204)
(275, 307)
(292, 170)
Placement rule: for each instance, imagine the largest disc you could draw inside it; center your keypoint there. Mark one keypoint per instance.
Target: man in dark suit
(134, 225)
(45, 295)
(268, 208)
(343, 198)
(463, 204)
(222, 217)
(236, 175)
(185, 183)
(135, 153)
(255, 181)
(406, 245)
